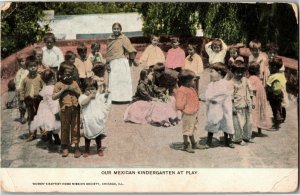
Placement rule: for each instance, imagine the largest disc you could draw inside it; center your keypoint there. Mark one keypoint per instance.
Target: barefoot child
(187, 101)
(29, 92)
(48, 108)
(95, 107)
(219, 105)
(68, 91)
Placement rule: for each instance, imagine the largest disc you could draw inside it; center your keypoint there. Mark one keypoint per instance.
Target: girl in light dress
(261, 118)
(216, 51)
(95, 108)
(48, 110)
(219, 105)
(151, 104)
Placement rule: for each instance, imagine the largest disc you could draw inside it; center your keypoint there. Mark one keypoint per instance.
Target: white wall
(66, 27)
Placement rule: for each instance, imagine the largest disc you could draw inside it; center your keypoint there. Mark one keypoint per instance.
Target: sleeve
(76, 87)
(60, 57)
(17, 80)
(143, 93)
(145, 55)
(127, 45)
(276, 87)
(180, 100)
(208, 48)
(81, 98)
(224, 46)
(22, 89)
(249, 88)
(182, 57)
(161, 55)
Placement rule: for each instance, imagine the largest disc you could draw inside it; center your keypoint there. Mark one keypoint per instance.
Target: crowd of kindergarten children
(62, 93)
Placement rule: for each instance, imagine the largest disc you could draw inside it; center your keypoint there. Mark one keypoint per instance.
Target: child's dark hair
(81, 48)
(30, 60)
(69, 54)
(117, 24)
(276, 63)
(217, 42)
(143, 74)
(174, 39)
(90, 82)
(255, 44)
(20, 56)
(185, 76)
(194, 46)
(99, 69)
(95, 44)
(220, 67)
(238, 65)
(65, 65)
(153, 36)
(47, 75)
(11, 85)
(159, 67)
(49, 35)
(253, 68)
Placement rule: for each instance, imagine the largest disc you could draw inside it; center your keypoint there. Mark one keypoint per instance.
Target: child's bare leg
(99, 145)
(86, 147)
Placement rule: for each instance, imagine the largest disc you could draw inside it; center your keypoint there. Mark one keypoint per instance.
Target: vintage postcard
(149, 97)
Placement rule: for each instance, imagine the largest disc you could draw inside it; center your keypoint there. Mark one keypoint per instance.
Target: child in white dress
(219, 105)
(48, 110)
(95, 107)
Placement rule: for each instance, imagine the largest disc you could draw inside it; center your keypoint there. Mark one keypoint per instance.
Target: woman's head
(48, 76)
(99, 69)
(31, 64)
(49, 40)
(191, 49)
(275, 64)
(253, 68)
(91, 85)
(117, 29)
(216, 45)
(70, 57)
(238, 68)
(234, 52)
(186, 78)
(81, 50)
(38, 53)
(255, 47)
(217, 71)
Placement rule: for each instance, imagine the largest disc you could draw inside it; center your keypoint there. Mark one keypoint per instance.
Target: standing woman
(120, 84)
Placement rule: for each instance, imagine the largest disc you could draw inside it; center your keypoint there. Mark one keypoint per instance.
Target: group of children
(63, 93)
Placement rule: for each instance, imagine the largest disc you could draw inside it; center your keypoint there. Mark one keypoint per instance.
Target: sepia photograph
(149, 97)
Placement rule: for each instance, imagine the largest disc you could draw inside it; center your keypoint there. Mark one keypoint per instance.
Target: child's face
(49, 43)
(238, 74)
(272, 54)
(216, 48)
(96, 49)
(214, 75)
(233, 53)
(116, 30)
(32, 67)
(39, 56)
(22, 62)
(255, 52)
(154, 41)
(191, 50)
(68, 76)
(82, 54)
(72, 59)
(175, 44)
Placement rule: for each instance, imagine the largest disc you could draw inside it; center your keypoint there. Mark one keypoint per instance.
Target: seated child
(95, 108)
(46, 117)
(152, 54)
